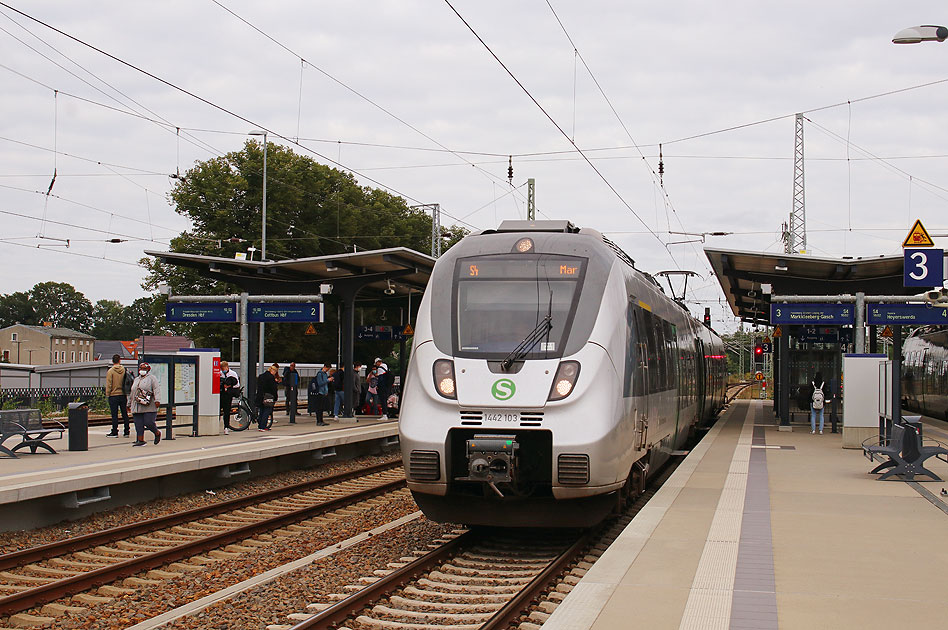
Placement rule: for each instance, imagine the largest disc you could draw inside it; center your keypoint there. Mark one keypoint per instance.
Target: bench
(906, 452)
(27, 424)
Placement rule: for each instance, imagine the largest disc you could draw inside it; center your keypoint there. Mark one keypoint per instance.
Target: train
(549, 378)
(925, 372)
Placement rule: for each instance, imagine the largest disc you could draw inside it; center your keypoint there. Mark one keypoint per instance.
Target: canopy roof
(743, 273)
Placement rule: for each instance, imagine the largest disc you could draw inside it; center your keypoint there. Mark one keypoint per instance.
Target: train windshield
(501, 300)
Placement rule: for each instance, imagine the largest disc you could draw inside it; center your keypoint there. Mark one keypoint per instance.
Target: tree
(16, 308)
(312, 210)
(109, 321)
(61, 304)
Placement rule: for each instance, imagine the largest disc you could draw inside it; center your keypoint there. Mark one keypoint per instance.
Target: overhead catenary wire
(560, 129)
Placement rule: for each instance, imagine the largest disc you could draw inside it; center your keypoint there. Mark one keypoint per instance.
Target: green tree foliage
(60, 303)
(16, 308)
(312, 210)
(108, 321)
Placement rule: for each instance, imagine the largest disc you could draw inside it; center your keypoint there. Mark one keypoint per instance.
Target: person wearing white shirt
(230, 387)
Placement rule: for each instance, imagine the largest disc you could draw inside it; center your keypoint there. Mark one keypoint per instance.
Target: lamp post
(263, 231)
(144, 332)
(919, 34)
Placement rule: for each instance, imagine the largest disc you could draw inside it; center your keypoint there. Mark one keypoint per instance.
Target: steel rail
(44, 552)
(373, 592)
(359, 600)
(512, 609)
(89, 579)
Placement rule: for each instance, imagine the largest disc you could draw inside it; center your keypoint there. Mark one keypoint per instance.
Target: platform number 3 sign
(923, 268)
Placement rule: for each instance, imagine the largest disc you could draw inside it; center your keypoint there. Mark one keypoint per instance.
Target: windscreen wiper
(525, 346)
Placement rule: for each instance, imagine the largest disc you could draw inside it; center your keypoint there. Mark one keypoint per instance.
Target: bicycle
(243, 413)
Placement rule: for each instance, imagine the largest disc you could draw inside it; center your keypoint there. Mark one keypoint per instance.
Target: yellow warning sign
(918, 236)
(778, 332)
(886, 332)
(766, 339)
(408, 330)
(311, 330)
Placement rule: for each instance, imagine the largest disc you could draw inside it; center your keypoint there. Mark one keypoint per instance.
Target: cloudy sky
(405, 95)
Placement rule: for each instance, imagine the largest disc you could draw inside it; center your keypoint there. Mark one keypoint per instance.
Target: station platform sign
(207, 312)
(382, 333)
(304, 312)
(813, 314)
(898, 314)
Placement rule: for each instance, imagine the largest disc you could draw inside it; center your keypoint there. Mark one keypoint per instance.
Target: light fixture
(781, 265)
(524, 245)
(389, 290)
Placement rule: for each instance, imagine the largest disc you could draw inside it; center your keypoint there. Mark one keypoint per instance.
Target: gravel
(270, 603)
(15, 541)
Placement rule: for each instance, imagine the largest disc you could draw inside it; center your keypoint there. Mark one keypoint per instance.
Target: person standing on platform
(230, 385)
(143, 403)
(357, 381)
(817, 401)
(118, 394)
(312, 396)
(291, 383)
(266, 396)
(322, 379)
(339, 391)
(372, 393)
(384, 384)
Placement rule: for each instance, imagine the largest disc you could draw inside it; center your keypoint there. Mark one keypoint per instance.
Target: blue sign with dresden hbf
(285, 312)
(823, 314)
(200, 312)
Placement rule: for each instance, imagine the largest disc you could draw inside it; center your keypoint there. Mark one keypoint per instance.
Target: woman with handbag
(143, 403)
(266, 396)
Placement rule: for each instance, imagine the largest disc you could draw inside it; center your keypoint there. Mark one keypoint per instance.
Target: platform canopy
(380, 273)
(744, 275)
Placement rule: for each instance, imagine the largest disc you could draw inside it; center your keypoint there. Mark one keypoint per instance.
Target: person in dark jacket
(817, 410)
(266, 396)
(323, 380)
(291, 381)
(312, 396)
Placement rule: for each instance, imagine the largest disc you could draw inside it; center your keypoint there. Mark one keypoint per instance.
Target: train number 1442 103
(502, 416)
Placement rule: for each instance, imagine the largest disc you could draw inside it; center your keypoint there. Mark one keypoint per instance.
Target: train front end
(509, 411)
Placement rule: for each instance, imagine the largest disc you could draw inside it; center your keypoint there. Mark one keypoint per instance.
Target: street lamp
(263, 232)
(918, 34)
(144, 332)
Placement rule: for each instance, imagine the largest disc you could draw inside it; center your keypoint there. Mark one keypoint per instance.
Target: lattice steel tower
(795, 236)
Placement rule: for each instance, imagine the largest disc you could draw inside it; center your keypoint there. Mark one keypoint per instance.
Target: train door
(642, 377)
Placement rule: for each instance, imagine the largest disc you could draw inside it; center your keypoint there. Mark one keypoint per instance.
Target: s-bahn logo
(504, 389)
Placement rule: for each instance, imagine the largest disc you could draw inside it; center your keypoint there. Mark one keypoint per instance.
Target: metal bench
(906, 452)
(28, 425)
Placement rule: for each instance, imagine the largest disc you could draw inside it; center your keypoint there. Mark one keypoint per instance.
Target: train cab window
(501, 300)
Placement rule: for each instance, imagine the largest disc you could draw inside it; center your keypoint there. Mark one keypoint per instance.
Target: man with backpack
(817, 401)
(118, 385)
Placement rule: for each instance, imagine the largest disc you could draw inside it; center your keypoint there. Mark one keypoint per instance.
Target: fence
(49, 399)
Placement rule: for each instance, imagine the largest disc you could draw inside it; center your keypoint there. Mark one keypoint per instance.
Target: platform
(48, 487)
(765, 529)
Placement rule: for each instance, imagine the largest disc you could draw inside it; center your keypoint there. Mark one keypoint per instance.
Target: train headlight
(565, 380)
(443, 372)
(524, 245)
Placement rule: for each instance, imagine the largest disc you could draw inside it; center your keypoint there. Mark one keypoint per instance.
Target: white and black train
(548, 377)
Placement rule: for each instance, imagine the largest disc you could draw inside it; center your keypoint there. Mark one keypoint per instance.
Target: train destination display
(201, 312)
(805, 313)
(906, 314)
(285, 312)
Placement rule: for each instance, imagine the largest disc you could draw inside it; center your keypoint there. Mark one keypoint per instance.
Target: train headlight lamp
(443, 373)
(564, 380)
(524, 245)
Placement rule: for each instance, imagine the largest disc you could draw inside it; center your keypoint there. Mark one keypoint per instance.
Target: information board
(381, 333)
(285, 312)
(906, 314)
(200, 312)
(804, 313)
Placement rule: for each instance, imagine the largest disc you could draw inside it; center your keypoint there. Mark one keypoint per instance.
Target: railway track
(40, 575)
(473, 580)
